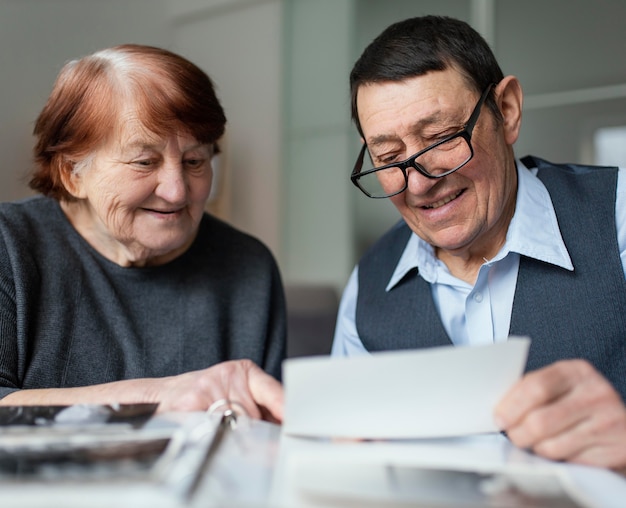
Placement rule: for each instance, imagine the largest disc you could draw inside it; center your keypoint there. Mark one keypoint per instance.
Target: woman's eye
(194, 163)
(144, 163)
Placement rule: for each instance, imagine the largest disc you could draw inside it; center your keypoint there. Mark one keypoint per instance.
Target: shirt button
(478, 297)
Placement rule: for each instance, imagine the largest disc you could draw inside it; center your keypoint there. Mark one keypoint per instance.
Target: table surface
(257, 466)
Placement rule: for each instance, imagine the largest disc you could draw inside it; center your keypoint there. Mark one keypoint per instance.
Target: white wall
(317, 228)
(36, 38)
(239, 43)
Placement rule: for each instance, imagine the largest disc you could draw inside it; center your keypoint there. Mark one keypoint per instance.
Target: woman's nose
(172, 185)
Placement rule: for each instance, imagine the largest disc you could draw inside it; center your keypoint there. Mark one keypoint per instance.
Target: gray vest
(579, 314)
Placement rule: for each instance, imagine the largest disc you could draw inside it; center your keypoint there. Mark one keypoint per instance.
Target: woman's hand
(239, 381)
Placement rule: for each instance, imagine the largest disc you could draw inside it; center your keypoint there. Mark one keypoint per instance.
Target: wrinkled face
(466, 212)
(141, 199)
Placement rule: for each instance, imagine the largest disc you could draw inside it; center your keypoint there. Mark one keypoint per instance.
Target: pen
(227, 422)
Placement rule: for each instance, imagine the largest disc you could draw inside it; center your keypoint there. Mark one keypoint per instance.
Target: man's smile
(443, 201)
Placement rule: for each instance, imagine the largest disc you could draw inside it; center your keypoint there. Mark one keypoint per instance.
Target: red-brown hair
(170, 94)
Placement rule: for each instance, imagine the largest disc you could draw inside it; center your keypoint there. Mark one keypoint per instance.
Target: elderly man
(488, 246)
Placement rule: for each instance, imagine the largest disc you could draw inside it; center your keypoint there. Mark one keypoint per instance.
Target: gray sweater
(70, 317)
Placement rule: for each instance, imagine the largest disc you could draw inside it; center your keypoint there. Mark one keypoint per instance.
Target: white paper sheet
(316, 473)
(436, 392)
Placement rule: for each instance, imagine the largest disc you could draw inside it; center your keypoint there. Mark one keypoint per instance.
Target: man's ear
(510, 98)
(71, 180)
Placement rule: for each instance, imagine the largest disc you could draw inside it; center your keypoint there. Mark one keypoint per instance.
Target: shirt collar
(533, 232)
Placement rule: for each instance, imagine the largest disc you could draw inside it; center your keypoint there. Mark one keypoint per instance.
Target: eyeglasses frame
(465, 133)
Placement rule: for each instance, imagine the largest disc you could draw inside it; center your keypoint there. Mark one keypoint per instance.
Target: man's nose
(417, 183)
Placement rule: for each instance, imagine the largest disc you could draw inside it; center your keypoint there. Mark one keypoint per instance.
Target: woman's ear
(71, 179)
(510, 98)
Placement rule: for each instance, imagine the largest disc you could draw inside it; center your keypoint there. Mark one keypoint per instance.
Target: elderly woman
(115, 285)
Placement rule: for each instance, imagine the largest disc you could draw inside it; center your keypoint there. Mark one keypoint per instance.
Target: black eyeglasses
(435, 161)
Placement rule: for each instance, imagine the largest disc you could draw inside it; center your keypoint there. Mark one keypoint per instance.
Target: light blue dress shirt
(481, 314)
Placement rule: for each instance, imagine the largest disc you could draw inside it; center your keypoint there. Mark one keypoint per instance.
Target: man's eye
(389, 159)
(451, 144)
(386, 159)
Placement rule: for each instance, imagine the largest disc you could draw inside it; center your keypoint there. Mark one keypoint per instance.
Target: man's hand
(567, 411)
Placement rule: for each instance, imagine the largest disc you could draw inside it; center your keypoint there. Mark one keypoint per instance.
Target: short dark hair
(84, 108)
(416, 46)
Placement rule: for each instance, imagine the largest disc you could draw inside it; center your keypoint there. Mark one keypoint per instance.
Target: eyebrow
(138, 143)
(150, 145)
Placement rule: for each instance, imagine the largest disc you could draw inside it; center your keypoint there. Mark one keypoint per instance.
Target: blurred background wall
(281, 70)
